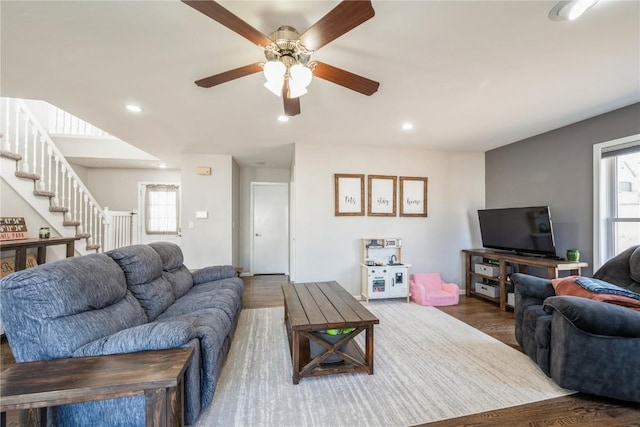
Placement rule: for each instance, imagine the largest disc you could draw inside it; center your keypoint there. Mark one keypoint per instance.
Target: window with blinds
(620, 178)
(162, 209)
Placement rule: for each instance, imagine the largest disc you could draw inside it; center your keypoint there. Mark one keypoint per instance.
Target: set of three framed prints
(381, 195)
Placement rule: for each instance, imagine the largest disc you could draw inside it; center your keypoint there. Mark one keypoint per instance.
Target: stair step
(83, 235)
(10, 155)
(71, 223)
(28, 175)
(93, 247)
(43, 193)
(58, 209)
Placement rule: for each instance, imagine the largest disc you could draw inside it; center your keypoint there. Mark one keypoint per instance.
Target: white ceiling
(471, 75)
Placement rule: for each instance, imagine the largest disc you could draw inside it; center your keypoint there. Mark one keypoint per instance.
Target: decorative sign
(13, 228)
(349, 194)
(413, 196)
(382, 195)
(8, 264)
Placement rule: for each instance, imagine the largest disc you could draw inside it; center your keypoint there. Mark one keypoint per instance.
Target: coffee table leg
(34, 417)
(156, 407)
(295, 356)
(369, 349)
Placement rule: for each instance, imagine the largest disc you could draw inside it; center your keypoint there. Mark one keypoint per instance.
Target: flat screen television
(526, 231)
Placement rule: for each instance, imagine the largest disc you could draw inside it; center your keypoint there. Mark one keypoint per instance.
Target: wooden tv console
(503, 260)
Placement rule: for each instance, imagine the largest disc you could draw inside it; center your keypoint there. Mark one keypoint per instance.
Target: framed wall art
(349, 194)
(413, 196)
(382, 195)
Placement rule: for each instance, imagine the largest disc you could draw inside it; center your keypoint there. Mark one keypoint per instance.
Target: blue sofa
(583, 344)
(131, 299)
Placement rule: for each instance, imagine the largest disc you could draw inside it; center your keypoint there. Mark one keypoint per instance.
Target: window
(162, 208)
(617, 197)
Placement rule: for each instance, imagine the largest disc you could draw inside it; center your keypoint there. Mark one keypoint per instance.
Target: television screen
(522, 230)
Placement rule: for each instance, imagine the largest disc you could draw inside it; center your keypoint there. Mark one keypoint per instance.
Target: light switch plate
(202, 214)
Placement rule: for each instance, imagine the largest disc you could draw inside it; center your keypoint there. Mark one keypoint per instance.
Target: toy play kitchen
(383, 274)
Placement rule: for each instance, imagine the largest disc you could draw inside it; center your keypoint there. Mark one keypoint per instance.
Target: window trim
(600, 221)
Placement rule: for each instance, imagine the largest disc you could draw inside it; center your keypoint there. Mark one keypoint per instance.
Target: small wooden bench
(310, 308)
(31, 387)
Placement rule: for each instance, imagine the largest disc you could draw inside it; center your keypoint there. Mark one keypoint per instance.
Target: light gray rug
(428, 366)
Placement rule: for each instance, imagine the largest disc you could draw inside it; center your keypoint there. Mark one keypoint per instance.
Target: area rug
(428, 367)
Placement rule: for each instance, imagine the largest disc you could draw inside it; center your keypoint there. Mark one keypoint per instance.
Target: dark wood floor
(575, 410)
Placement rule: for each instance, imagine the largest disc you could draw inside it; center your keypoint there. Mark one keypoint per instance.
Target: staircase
(36, 169)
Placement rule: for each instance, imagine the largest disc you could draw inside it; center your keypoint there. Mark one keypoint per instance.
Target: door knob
(258, 235)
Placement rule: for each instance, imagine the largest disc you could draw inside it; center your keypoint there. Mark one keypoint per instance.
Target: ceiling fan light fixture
(301, 75)
(274, 71)
(275, 86)
(569, 10)
(296, 91)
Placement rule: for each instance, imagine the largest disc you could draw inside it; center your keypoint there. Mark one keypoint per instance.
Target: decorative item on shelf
(573, 255)
(13, 228)
(44, 233)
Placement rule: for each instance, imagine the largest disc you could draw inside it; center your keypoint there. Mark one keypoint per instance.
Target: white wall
(117, 189)
(209, 241)
(247, 176)
(328, 247)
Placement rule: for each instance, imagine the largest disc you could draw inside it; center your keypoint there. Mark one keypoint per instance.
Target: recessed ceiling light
(568, 10)
(134, 108)
(283, 118)
(407, 126)
(163, 165)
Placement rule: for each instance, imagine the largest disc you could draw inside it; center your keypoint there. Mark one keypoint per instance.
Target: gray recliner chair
(583, 344)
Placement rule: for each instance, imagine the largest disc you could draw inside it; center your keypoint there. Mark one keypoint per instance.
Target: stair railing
(40, 160)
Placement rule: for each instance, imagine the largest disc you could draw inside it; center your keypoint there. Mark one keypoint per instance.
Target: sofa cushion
(142, 267)
(173, 267)
(596, 289)
(51, 310)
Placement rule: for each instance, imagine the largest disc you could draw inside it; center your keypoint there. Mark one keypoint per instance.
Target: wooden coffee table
(33, 386)
(313, 307)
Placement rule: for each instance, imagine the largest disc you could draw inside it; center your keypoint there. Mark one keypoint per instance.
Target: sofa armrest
(213, 273)
(596, 317)
(150, 336)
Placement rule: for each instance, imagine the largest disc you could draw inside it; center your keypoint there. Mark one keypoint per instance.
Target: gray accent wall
(556, 169)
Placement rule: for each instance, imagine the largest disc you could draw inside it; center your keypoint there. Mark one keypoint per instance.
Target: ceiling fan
(288, 67)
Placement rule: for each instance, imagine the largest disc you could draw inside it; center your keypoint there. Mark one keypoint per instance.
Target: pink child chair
(430, 289)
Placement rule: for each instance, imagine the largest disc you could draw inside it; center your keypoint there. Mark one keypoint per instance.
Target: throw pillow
(595, 289)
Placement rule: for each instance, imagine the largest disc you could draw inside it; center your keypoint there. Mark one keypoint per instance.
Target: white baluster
(25, 158)
(17, 131)
(63, 173)
(34, 162)
(49, 167)
(42, 185)
(75, 201)
(67, 215)
(56, 199)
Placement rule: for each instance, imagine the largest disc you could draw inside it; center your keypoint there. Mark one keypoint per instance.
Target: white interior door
(270, 232)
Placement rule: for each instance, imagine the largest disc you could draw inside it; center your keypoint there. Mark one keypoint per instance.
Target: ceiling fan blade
(218, 13)
(236, 73)
(291, 105)
(345, 78)
(344, 17)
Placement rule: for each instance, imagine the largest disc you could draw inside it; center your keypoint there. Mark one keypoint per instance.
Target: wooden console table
(21, 246)
(503, 259)
(313, 307)
(33, 386)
